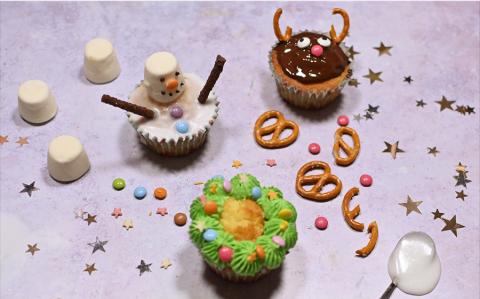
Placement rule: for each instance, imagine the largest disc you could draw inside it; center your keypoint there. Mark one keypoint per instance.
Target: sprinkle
(321, 223)
(117, 212)
(236, 164)
(162, 211)
(128, 224)
(198, 183)
(181, 126)
(160, 193)
(165, 264)
(256, 192)
(210, 235)
(279, 241)
(271, 162)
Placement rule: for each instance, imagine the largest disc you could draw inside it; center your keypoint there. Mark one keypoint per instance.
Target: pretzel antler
(346, 26)
(276, 27)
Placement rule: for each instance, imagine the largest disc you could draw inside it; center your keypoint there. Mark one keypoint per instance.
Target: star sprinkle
(243, 178)
(372, 109)
(128, 224)
(3, 139)
(271, 162)
(393, 149)
(90, 268)
(357, 117)
(200, 225)
(162, 211)
(98, 245)
(165, 264)
(421, 103)
(373, 76)
(368, 116)
(213, 188)
(236, 164)
(470, 110)
(461, 109)
(29, 188)
(461, 195)
(408, 79)
(412, 206)
(460, 167)
(22, 141)
(462, 179)
(437, 214)
(79, 213)
(351, 52)
(143, 267)
(117, 212)
(90, 219)
(382, 49)
(445, 104)
(433, 151)
(32, 249)
(452, 225)
(272, 195)
(353, 82)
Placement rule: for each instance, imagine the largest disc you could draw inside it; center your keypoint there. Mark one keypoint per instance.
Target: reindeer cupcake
(310, 68)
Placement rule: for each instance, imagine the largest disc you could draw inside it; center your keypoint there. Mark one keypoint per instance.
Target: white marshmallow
(163, 78)
(67, 159)
(100, 61)
(36, 103)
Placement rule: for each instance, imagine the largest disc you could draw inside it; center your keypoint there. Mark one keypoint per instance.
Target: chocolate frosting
(300, 64)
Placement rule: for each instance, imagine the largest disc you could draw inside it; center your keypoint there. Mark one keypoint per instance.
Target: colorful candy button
(218, 176)
(118, 184)
(180, 219)
(321, 223)
(343, 120)
(160, 193)
(225, 254)
(140, 192)
(314, 148)
(283, 225)
(176, 111)
(366, 180)
(210, 207)
(209, 235)
(227, 186)
(256, 192)
(260, 252)
(181, 126)
(285, 214)
(278, 240)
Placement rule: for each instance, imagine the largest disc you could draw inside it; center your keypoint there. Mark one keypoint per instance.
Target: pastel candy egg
(278, 240)
(140, 192)
(284, 225)
(285, 214)
(260, 252)
(256, 192)
(209, 235)
(181, 126)
(227, 186)
(176, 111)
(210, 207)
(225, 254)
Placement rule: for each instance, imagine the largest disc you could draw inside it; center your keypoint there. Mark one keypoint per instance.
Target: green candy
(118, 184)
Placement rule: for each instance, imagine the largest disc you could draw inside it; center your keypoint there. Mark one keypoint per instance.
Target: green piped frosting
(241, 264)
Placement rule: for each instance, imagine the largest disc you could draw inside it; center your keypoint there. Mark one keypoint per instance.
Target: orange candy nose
(172, 84)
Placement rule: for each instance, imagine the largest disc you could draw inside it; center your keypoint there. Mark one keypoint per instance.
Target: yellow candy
(283, 225)
(285, 213)
(213, 188)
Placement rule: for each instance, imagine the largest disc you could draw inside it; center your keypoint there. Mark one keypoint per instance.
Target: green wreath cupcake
(243, 230)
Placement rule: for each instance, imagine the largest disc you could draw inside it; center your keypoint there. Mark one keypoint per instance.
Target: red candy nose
(317, 50)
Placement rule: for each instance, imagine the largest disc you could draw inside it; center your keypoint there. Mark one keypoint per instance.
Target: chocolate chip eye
(162, 79)
(324, 41)
(303, 42)
(177, 73)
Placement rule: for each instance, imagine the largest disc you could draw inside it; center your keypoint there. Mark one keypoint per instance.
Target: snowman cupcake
(172, 111)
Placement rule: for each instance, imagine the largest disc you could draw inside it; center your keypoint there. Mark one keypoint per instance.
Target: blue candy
(140, 192)
(210, 235)
(181, 126)
(218, 176)
(256, 192)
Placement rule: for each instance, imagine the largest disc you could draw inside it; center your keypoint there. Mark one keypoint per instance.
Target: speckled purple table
(436, 43)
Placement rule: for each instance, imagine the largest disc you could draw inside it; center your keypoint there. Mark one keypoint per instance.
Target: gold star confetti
(462, 179)
(353, 82)
(165, 264)
(461, 109)
(445, 104)
(412, 206)
(382, 49)
(421, 103)
(433, 151)
(460, 167)
(29, 188)
(437, 214)
(128, 224)
(408, 79)
(351, 52)
(393, 149)
(272, 195)
(90, 218)
(271, 162)
(90, 268)
(236, 164)
(452, 225)
(22, 141)
(373, 76)
(461, 195)
(32, 248)
(200, 225)
(3, 139)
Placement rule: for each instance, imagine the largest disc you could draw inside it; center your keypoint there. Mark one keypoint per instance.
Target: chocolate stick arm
(140, 110)
(212, 79)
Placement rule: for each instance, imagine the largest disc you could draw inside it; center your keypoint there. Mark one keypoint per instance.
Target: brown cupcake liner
(229, 275)
(180, 147)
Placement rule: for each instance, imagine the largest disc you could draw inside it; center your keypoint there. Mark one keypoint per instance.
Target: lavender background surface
(436, 43)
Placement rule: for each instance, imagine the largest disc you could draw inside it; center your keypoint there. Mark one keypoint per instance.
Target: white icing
(303, 42)
(200, 117)
(312, 75)
(163, 77)
(324, 41)
(67, 160)
(36, 103)
(287, 50)
(414, 266)
(100, 61)
(300, 73)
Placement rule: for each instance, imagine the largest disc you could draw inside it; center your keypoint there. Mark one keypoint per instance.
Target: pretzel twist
(346, 26)
(275, 129)
(350, 215)
(276, 27)
(373, 230)
(318, 181)
(339, 143)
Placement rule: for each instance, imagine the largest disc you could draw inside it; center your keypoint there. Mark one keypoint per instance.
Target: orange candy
(160, 193)
(210, 207)
(260, 252)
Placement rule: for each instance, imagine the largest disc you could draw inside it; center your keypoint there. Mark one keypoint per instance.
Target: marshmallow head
(163, 78)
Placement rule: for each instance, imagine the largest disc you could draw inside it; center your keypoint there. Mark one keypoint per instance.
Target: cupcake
(243, 230)
(171, 111)
(310, 68)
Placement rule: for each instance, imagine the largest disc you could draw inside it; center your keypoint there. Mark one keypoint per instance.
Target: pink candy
(343, 120)
(278, 240)
(225, 254)
(314, 148)
(321, 223)
(366, 180)
(316, 50)
(227, 186)
(202, 199)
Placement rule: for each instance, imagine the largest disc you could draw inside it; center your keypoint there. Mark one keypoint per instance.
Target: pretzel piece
(350, 215)
(276, 27)
(318, 181)
(275, 129)
(339, 143)
(373, 230)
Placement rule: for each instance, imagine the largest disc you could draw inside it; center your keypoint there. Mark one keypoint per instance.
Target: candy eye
(303, 42)
(324, 41)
